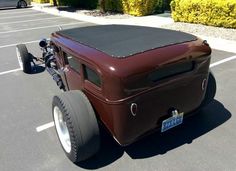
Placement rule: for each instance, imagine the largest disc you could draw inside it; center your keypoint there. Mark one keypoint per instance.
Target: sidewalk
(151, 21)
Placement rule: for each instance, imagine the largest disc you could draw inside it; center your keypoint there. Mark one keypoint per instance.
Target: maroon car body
(134, 92)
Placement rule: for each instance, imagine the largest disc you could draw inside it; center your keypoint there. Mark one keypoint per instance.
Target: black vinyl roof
(124, 40)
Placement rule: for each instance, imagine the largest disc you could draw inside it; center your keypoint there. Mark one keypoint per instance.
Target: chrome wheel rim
(62, 129)
(19, 58)
(22, 4)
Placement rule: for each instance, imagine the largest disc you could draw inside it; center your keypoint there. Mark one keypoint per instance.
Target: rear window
(171, 70)
(145, 81)
(92, 76)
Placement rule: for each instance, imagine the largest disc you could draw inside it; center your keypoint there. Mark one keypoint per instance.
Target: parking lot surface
(207, 141)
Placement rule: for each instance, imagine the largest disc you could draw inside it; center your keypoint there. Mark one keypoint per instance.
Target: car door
(4, 3)
(8, 3)
(72, 71)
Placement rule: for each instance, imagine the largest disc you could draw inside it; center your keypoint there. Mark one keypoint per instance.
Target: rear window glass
(171, 70)
(92, 76)
(145, 81)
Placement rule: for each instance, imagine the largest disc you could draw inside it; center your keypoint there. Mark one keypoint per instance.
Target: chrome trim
(204, 81)
(131, 108)
(62, 129)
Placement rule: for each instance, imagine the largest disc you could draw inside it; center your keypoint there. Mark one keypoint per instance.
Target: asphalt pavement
(206, 141)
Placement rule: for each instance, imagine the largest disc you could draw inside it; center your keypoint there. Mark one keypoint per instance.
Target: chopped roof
(124, 40)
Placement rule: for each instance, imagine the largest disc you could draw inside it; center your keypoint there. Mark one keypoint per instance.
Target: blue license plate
(172, 122)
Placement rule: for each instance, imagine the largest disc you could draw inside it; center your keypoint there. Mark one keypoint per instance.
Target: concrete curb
(150, 21)
(220, 44)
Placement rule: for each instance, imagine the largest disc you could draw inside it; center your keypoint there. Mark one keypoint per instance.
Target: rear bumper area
(184, 93)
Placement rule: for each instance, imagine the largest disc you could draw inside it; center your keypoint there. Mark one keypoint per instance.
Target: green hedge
(220, 13)
(113, 5)
(41, 1)
(134, 7)
(90, 4)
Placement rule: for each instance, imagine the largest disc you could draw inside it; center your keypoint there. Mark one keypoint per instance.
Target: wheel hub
(19, 58)
(22, 4)
(62, 129)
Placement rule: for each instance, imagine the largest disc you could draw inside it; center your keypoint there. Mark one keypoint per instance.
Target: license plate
(172, 122)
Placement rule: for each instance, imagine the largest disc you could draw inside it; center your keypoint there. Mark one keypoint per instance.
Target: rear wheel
(76, 125)
(21, 4)
(210, 91)
(24, 58)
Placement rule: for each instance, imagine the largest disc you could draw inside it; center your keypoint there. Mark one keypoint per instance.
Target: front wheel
(76, 125)
(24, 58)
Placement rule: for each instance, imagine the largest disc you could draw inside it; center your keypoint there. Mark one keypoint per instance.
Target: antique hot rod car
(132, 80)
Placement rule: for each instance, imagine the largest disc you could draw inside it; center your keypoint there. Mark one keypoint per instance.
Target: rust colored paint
(113, 99)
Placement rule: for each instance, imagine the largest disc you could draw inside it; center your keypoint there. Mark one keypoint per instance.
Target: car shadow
(159, 143)
(109, 152)
(193, 127)
(67, 9)
(13, 8)
(37, 68)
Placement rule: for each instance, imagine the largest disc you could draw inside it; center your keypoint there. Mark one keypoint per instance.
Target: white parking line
(25, 21)
(18, 69)
(19, 16)
(223, 61)
(17, 12)
(10, 45)
(45, 126)
(36, 28)
(10, 71)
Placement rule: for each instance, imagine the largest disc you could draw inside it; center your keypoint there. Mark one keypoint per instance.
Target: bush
(113, 5)
(90, 4)
(220, 13)
(74, 3)
(41, 1)
(160, 6)
(166, 4)
(54, 2)
(140, 7)
(134, 7)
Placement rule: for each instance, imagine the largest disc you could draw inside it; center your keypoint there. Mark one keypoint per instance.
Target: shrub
(113, 5)
(74, 3)
(209, 12)
(54, 2)
(166, 4)
(91, 4)
(160, 6)
(140, 7)
(134, 7)
(41, 1)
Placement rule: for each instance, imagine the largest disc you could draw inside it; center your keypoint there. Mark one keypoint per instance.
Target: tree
(54, 2)
(102, 6)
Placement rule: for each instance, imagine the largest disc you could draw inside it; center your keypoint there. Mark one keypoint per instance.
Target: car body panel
(11, 3)
(120, 85)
